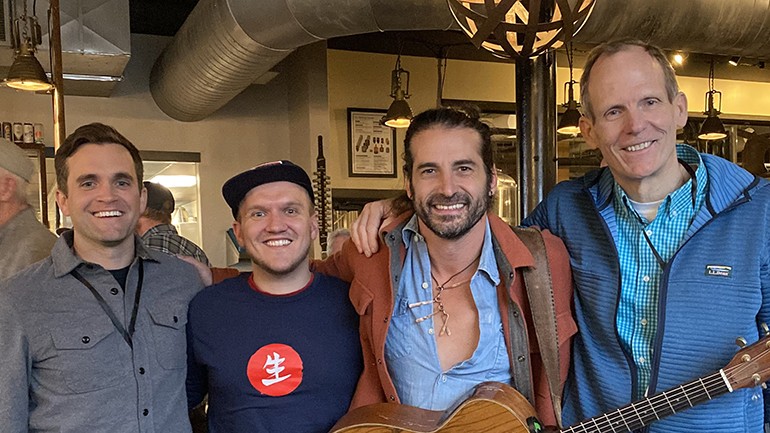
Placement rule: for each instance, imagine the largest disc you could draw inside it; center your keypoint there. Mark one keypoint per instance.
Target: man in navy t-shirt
(276, 349)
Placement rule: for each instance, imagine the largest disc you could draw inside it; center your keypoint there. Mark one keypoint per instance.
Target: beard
(452, 226)
(283, 268)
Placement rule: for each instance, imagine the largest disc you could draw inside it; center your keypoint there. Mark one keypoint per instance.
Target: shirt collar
(65, 260)
(682, 199)
(487, 262)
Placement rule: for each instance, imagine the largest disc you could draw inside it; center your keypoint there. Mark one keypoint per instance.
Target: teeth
(450, 207)
(281, 243)
(639, 146)
(109, 213)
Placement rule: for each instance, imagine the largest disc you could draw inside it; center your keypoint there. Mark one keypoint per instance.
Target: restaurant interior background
(310, 92)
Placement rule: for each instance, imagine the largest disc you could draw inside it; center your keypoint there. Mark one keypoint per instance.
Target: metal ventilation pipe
(226, 44)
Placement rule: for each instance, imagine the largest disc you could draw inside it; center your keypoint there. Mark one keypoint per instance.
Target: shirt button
(392, 397)
(176, 319)
(649, 232)
(521, 358)
(379, 361)
(674, 213)
(646, 278)
(443, 378)
(141, 370)
(86, 339)
(145, 412)
(385, 320)
(424, 285)
(641, 360)
(510, 275)
(430, 331)
(643, 322)
(114, 291)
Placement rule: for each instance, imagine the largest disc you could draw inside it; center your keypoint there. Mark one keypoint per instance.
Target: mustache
(441, 199)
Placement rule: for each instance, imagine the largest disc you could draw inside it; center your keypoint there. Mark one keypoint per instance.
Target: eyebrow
(116, 176)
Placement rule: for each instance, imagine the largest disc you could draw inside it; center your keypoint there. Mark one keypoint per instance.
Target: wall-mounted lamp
(734, 60)
(712, 128)
(569, 123)
(26, 73)
(400, 113)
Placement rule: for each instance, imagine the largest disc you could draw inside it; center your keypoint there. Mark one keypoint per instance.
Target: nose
(447, 185)
(635, 121)
(106, 192)
(275, 222)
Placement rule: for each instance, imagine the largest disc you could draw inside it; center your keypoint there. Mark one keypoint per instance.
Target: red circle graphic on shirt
(275, 370)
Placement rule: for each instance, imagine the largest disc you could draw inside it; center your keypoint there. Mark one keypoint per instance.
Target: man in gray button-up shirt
(93, 337)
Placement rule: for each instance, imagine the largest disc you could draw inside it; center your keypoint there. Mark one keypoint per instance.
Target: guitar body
(492, 408)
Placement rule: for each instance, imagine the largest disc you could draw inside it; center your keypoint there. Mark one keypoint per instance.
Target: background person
(335, 240)
(23, 239)
(155, 226)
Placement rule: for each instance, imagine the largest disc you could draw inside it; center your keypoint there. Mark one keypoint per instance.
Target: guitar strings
(713, 383)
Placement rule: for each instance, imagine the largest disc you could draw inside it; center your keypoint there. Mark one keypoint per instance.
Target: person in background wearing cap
(155, 227)
(276, 349)
(23, 240)
(93, 337)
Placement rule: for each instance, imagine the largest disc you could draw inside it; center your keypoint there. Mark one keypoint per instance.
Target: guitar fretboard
(643, 412)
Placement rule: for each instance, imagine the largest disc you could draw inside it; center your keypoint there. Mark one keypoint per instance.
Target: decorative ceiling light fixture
(400, 113)
(26, 73)
(734, 60)
(569, 123)
(712, 128)
(503, 27)
(678, 58)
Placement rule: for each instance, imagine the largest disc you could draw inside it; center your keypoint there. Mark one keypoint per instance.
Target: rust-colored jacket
(374, 281)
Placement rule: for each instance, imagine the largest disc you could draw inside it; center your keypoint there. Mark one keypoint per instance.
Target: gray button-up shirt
(65, 368)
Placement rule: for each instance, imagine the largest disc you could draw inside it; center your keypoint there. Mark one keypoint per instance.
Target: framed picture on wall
(371, 145)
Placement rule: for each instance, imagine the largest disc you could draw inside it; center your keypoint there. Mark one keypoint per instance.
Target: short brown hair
(613, 47)
(93, 133)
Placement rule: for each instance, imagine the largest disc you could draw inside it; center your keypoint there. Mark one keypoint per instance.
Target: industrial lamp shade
(26, 73)
(569, 124)
(712, 129)
(399, 114)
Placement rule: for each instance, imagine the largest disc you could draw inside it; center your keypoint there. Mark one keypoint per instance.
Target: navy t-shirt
(273, 363)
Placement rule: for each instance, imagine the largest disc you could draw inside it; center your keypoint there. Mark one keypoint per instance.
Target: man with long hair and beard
(277, 348)
(443, 304)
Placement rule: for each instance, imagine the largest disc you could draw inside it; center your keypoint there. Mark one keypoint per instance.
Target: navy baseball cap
(235, 189)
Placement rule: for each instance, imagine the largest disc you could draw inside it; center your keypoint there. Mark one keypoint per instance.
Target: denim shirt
(410, 348)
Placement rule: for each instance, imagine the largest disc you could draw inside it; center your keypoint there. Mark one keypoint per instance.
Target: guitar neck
(659, 406)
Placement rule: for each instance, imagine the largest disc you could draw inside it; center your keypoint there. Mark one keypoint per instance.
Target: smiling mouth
(278, 243)
(455, 206)
(638, 147)
(108, 214)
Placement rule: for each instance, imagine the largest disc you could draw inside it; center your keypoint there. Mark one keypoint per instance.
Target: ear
(7, 188)
(680, 105)
(493, 182)
(142, 200)
(408, 187)
(314, 226)
(587, 129)
(238, 234)
(62, 201)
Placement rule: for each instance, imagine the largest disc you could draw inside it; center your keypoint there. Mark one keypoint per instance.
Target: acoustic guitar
(498, 408)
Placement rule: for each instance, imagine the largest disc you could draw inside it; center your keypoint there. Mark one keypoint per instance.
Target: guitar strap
(537, 281)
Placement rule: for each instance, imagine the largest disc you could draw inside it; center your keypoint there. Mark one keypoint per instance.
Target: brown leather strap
(541, 300)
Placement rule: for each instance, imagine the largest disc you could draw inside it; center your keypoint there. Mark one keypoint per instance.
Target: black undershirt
(121, 275)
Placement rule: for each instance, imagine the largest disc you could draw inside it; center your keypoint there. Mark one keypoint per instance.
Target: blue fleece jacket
(715, 288)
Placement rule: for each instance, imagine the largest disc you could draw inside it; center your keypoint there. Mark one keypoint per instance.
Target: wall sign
(371, 145)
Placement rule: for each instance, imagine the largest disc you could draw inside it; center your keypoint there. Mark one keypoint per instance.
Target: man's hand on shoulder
(203, 271)
(365, 230)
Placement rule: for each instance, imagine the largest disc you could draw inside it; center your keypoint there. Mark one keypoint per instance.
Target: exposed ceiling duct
(226, 44)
